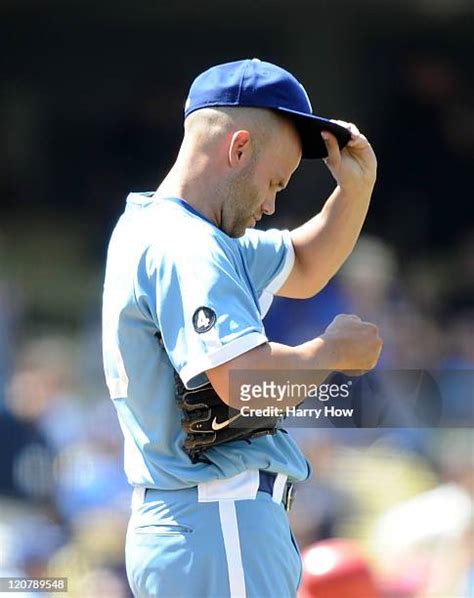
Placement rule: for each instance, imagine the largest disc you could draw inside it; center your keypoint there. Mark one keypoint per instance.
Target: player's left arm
(324, 243)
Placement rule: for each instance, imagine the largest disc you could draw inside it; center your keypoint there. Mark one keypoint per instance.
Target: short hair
(212, 123)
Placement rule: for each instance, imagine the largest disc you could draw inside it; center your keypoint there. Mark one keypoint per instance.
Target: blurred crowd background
(91, 100)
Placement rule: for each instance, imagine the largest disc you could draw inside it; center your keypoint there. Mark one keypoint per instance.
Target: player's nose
(268, 207)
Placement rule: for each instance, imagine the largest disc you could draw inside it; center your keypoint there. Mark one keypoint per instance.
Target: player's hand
(355, 166)
(355, 344)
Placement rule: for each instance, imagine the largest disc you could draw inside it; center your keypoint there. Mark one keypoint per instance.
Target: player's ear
(239, 149)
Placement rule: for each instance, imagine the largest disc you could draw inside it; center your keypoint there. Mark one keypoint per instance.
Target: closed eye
(280, 186)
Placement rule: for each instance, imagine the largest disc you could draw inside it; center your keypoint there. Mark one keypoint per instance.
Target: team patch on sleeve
(204, 319)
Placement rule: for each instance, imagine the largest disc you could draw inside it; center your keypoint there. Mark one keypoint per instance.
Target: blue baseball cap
(260, 84)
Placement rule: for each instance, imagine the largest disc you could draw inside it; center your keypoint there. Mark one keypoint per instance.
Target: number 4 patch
(204, 319)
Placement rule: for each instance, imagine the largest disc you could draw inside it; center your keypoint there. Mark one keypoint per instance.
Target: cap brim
(310, 126)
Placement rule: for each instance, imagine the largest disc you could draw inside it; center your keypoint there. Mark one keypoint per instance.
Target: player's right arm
(348, 344)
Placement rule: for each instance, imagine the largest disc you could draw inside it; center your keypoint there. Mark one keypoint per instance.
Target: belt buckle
(289, 497)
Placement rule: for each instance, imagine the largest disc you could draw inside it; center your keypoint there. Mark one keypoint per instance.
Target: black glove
(208, 421)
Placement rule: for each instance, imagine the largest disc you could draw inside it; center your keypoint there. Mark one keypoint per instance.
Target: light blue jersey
(166, 262)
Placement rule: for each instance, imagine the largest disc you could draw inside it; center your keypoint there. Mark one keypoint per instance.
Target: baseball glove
(208, 421)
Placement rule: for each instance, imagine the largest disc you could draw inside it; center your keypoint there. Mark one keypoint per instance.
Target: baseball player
(188, 282)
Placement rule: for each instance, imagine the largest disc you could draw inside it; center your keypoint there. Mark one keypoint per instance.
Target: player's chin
(238, 230)
(251, 223)
(235, 233)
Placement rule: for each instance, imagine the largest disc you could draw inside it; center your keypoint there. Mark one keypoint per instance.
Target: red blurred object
(336, 568)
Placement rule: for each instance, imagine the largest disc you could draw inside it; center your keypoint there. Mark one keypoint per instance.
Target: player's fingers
(357, 140)
(349, 317)
(351, 126)
(332, 147)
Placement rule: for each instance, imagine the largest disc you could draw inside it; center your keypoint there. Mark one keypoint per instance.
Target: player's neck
(195, 182)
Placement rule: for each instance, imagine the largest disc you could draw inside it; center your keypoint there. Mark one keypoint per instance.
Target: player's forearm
(319, 355)
(324, 243)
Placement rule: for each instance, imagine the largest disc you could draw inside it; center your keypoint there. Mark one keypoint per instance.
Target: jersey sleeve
(206, 311)
(270, 257)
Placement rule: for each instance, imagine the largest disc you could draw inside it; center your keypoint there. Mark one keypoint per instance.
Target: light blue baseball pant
(221, 539)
